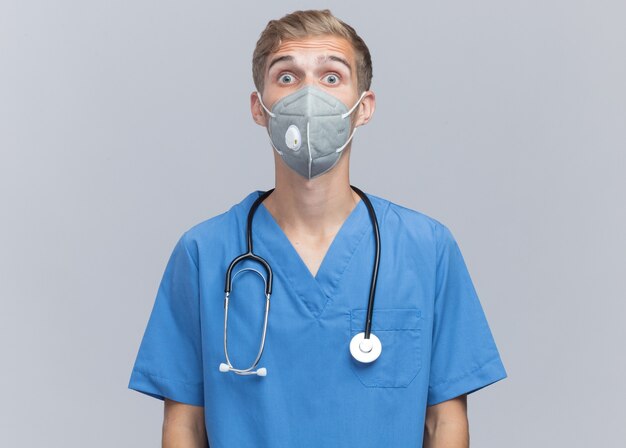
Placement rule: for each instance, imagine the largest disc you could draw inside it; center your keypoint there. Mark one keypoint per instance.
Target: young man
(319, 379)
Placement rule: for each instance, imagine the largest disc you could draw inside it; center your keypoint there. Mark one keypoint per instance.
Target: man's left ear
(366, 108)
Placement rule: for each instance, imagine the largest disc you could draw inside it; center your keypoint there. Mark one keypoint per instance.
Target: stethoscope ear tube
(228, 366)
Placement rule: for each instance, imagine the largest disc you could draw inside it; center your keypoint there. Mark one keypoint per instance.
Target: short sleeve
(169, 361)
(464, 355)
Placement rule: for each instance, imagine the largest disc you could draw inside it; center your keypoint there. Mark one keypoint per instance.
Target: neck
(316, 207)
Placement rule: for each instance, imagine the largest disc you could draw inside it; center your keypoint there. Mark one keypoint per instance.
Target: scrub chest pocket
(400, 333)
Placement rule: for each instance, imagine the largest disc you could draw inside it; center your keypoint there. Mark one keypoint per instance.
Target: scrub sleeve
(169, 361)
(464, 355)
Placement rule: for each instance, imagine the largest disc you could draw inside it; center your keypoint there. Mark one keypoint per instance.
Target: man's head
(311, 53)
(303, 25)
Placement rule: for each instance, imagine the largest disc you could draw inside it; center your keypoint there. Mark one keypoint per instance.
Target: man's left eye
(331, 78)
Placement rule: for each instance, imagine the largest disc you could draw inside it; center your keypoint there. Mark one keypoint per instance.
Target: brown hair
(302, 24)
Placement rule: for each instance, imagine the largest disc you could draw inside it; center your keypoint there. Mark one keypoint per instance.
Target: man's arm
(183, 426)
(446, 424)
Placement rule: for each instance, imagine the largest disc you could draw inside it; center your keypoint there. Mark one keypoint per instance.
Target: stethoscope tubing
(370, 302)
(250, 254)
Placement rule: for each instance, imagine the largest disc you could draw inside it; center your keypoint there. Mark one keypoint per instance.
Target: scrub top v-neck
(436, 341)
(314, 292)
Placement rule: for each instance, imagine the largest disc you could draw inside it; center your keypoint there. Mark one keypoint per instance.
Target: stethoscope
(365, 347)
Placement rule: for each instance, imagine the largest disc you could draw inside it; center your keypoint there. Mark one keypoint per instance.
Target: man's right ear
(259, 115)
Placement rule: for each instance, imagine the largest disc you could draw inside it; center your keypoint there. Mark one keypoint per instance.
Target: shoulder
(211, 232)
(399, 218)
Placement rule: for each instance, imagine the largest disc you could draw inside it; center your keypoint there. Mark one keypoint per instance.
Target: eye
(286, 78)
(331, 78)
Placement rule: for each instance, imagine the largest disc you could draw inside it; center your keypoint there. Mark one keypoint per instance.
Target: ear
(365, 109)
(258, 113)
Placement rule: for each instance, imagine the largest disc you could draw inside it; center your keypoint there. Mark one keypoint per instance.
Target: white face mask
(309, 129)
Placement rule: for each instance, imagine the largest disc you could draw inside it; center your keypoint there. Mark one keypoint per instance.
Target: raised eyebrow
(280, 59)
(320, 60)
(341, 60)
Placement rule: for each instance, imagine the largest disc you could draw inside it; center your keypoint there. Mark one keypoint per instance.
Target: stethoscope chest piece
(365, 350)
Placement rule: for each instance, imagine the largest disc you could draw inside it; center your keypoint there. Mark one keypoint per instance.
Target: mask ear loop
(271, 114)
(353, 107)
(343, 116)
(266, 109)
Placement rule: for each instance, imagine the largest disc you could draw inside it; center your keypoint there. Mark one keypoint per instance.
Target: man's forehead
(320, 47)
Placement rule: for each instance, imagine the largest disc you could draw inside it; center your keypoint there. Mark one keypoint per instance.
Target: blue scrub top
(436, 342)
